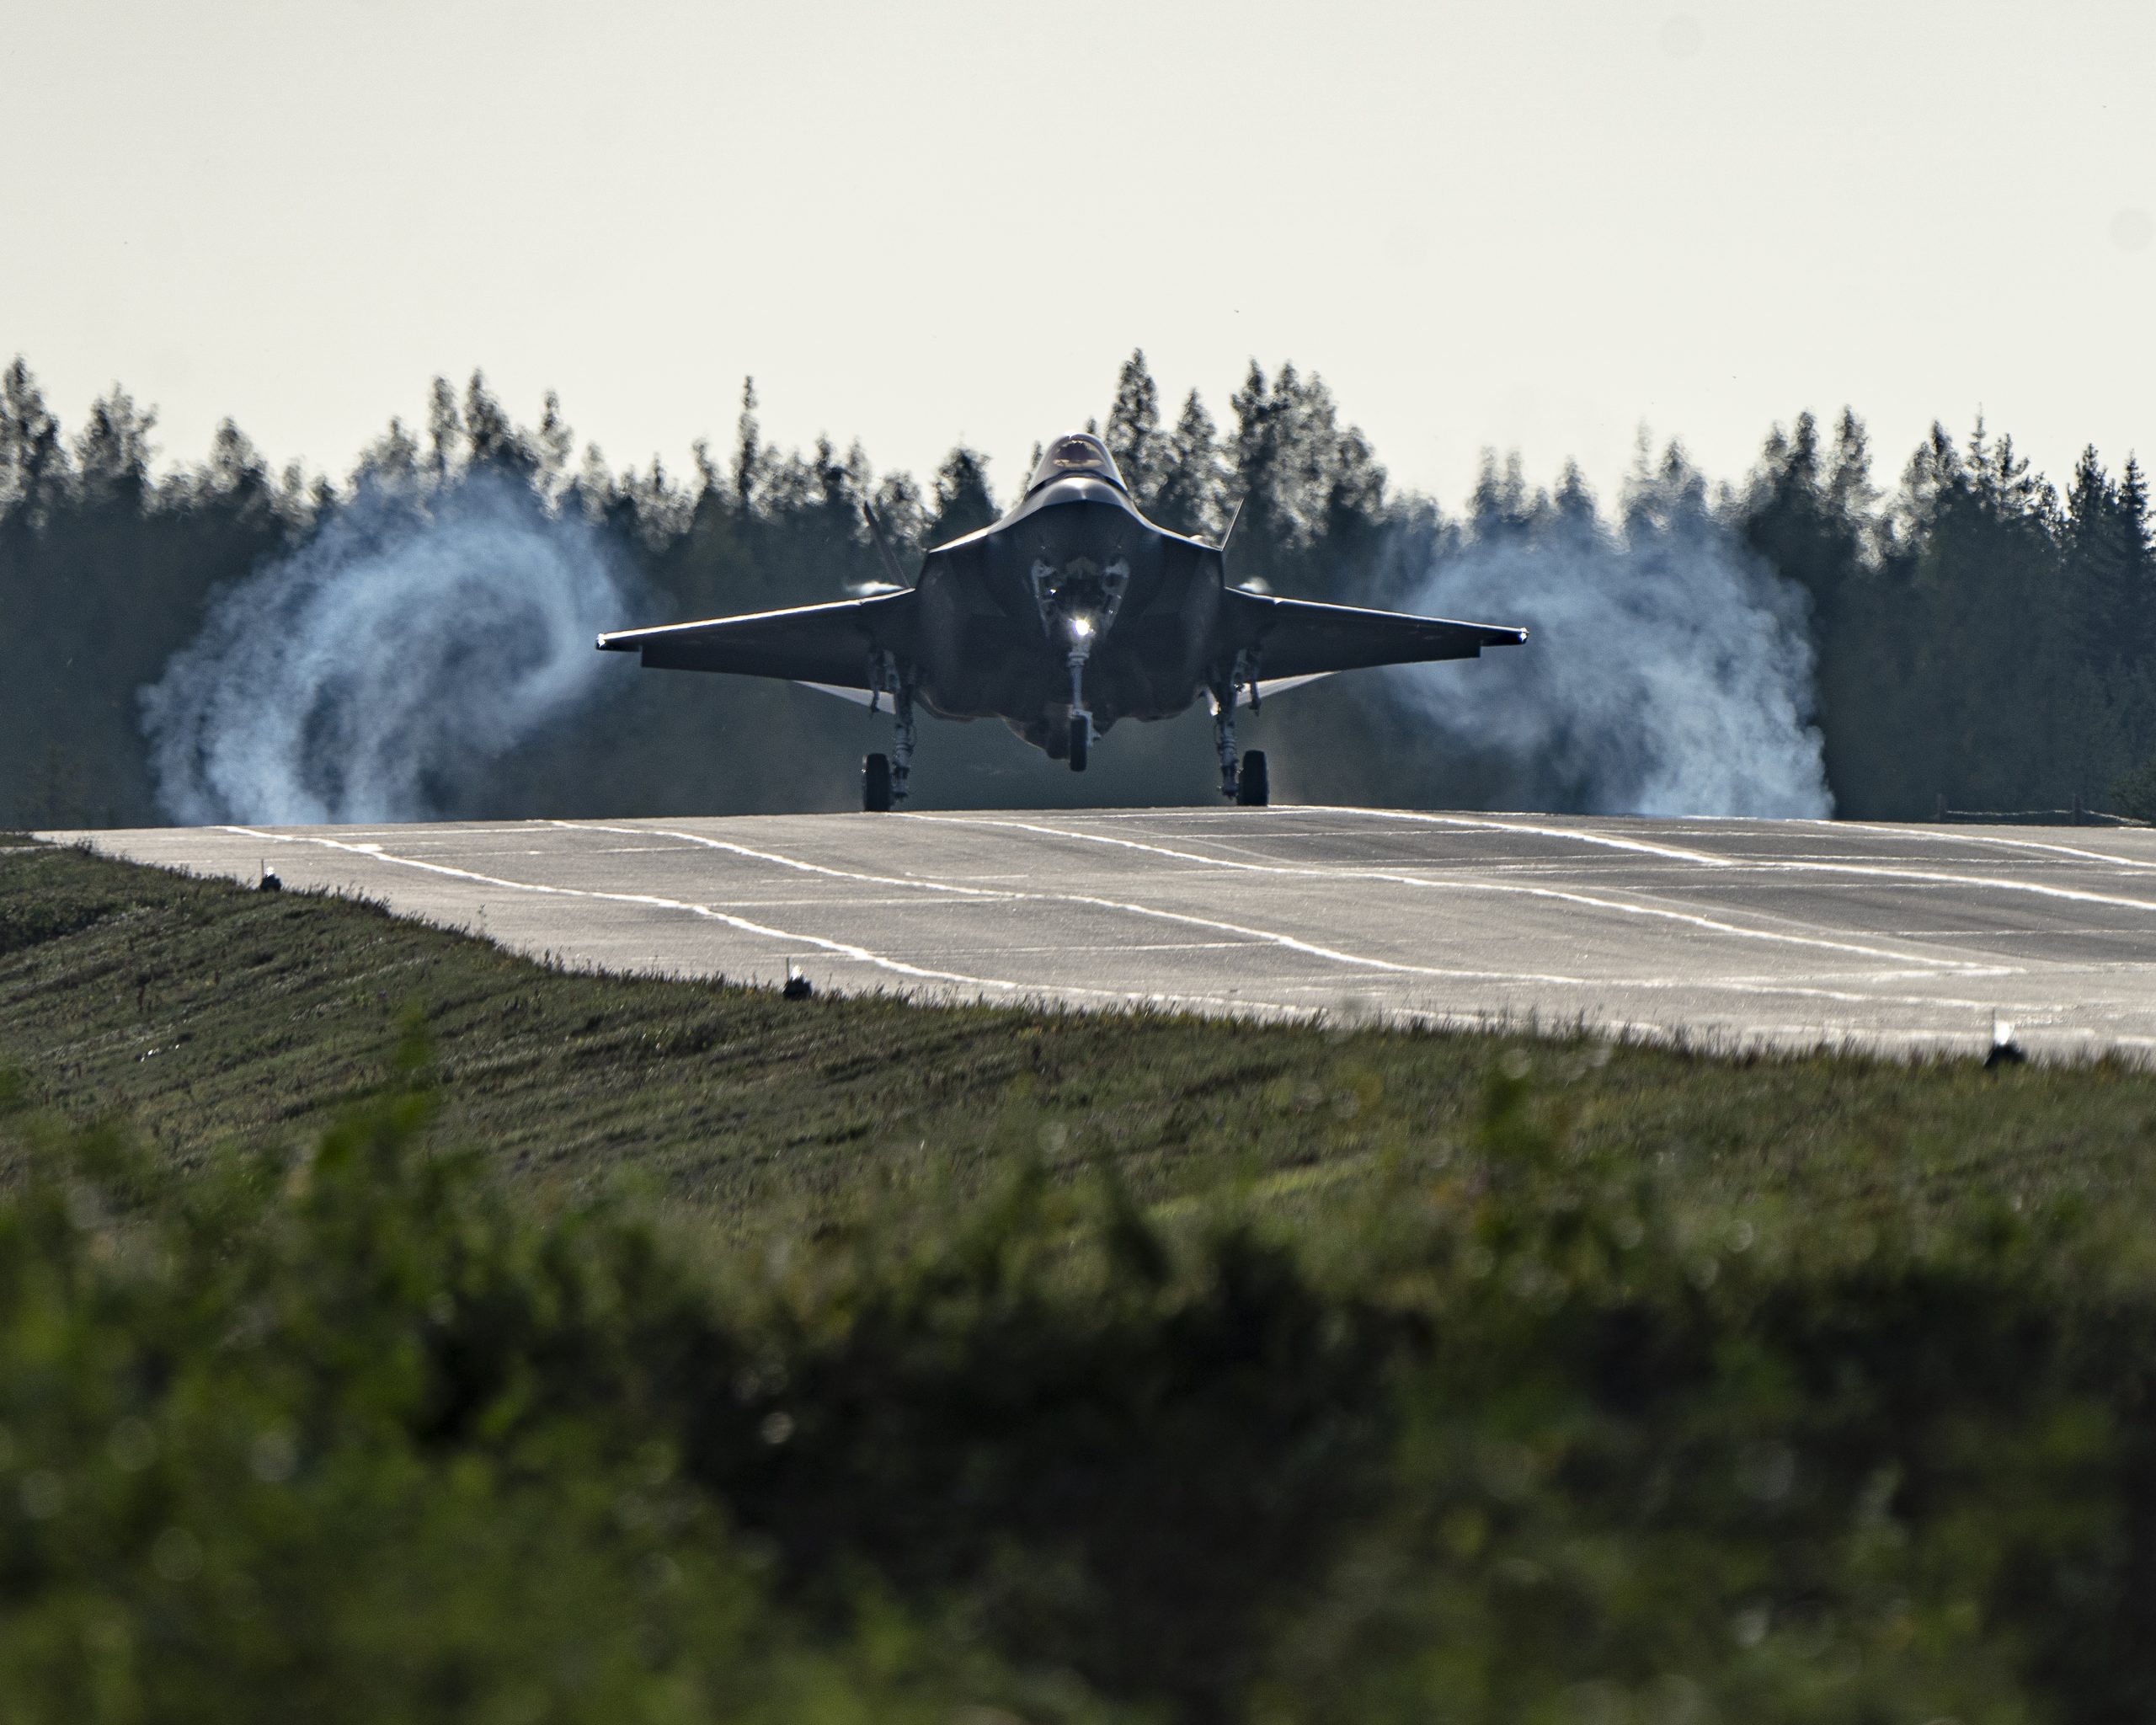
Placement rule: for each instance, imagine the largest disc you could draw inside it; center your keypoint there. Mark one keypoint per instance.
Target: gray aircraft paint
(1070, 613)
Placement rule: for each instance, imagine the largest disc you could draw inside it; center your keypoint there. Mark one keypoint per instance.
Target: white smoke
(375, 671)
(1669, 670)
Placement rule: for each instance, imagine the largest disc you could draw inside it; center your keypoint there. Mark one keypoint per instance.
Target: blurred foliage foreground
(355, 1434)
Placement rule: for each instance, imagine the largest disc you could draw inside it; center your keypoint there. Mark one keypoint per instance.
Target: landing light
(1081, 627)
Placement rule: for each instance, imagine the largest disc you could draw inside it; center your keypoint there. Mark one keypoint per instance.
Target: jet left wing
(1298, 638)
(830, 644)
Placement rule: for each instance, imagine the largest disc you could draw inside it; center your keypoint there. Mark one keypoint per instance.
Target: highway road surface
(1726, 931)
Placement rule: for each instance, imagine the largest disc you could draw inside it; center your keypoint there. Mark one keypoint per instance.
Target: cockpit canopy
(1077, 454)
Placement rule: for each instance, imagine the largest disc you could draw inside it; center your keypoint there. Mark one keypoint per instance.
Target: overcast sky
(1530, 226)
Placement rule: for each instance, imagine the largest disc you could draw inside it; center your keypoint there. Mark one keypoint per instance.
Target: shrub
(360, 1436)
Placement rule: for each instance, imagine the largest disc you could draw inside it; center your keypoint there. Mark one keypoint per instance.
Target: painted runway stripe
(1788, 865)
(1042, 990)
(1345, 872)
(377, 853)
(1742, 985)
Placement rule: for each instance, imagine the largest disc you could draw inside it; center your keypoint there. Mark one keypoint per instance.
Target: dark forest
(1976, 634)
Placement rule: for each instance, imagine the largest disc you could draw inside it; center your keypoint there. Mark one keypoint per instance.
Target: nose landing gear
(1082, 721)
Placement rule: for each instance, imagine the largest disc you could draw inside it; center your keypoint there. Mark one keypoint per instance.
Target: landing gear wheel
(876, 784)
(1252, 791)
(1081, 740)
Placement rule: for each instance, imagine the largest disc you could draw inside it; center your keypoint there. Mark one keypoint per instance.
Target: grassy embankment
(1064, 1367)
(211, 1016)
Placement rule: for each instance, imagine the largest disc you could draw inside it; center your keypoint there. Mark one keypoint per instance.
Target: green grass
(213, 1016)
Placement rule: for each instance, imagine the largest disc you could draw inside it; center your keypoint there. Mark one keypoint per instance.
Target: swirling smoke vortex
(1669, 670)
(374, 673)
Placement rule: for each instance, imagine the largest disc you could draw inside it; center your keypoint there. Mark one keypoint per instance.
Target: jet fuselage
(1074, 571)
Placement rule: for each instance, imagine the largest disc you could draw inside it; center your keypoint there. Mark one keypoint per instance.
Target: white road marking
(1961, 971)
(841, 949)
(1789, 865)
(1586, 900)
(1963, 836)
(784, 862)
(375, 851)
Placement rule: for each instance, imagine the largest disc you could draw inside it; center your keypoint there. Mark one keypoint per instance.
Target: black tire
(1253, 789)
(1081, 740)
(876, 784)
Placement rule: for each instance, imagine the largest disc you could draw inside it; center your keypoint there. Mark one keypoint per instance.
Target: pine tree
(1314, 496)
(389, 463)
(963, 502)
(1134, 438)
(551, 447)
(2099, 608)
(1190, 496)
(113, 453)
(748, 458)
(1263, 528)
(32, 459)
(2138, 539)
(444, 432)
(493, 439)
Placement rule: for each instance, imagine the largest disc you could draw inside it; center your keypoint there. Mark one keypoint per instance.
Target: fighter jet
(1069, 614)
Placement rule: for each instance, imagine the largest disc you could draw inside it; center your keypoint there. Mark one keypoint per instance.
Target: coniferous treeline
(1978, 636)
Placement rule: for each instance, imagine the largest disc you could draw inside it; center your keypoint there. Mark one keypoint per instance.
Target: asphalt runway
(1728, 932)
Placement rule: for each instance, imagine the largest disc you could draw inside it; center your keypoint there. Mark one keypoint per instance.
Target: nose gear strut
(1077, 603)
(1224, 735)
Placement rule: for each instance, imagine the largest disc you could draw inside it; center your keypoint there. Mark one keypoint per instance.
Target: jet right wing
(1297, 638)
(830, 645)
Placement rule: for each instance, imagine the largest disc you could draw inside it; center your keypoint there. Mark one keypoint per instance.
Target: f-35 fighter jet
(1071, 612)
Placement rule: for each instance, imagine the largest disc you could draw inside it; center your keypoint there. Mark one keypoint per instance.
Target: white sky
(1526, 225)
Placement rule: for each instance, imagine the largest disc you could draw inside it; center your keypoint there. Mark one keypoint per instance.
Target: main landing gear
(1250, 787)
(883, 777)
(876, 784)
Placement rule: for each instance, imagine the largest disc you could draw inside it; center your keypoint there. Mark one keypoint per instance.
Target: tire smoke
(374, 673)
(1669, 670)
